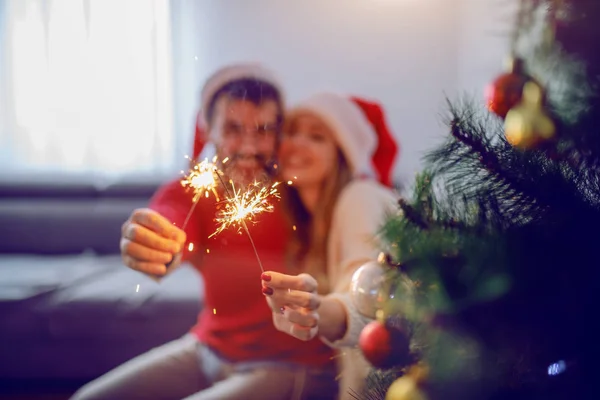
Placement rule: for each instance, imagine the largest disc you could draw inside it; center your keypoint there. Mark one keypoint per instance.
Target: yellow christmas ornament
(419, 372)
(527, 125)
(405, 388)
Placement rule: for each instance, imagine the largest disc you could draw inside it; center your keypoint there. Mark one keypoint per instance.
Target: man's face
(246, 134)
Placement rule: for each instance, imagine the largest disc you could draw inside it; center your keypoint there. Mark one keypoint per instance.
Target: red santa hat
(220, 78)
(361, 132)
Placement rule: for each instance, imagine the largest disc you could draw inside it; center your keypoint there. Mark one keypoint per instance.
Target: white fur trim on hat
(353, 132)
(234, 72)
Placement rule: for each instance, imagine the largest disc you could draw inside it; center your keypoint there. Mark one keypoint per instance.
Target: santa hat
(361, 132)
(216, 82)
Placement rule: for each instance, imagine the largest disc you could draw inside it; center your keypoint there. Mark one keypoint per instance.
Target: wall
(485, 29)
(4, 144)
(408, 54)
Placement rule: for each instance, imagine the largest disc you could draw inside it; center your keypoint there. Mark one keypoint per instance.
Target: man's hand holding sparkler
(149, 242)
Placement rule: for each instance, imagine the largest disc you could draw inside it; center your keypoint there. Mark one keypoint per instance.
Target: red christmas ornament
(384, 345)
(506, 90)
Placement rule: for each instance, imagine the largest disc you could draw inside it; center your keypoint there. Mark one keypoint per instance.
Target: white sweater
(358, 215)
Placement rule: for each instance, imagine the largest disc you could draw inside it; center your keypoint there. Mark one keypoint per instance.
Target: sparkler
(241, 207)
(201, 179)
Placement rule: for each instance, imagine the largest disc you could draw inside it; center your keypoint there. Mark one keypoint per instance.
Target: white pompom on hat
(360, 130)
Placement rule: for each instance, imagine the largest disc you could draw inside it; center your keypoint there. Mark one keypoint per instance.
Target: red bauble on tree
(385, 345)
(506, 90)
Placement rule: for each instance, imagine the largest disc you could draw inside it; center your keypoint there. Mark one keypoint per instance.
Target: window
(86, 87)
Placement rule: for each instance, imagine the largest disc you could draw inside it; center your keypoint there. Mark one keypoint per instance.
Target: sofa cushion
(127, 304)
(65, 317)
(88, 296)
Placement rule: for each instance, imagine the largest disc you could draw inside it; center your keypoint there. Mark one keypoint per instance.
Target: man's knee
(84, 393)
(97, 389)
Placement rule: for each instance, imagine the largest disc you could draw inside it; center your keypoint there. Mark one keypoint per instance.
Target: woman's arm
(358, 217)
(297, 307)
(333, 317)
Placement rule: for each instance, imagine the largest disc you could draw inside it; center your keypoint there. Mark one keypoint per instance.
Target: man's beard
(263, 173)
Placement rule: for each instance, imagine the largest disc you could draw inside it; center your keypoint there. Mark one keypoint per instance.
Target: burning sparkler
(241, 207)
(202, 180)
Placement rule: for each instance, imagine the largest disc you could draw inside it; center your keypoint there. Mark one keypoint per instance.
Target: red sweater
(236, 320)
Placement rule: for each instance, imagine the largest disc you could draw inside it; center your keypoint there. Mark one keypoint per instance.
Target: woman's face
(308, 152)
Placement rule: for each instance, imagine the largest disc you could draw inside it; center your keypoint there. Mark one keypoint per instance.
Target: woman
(338, 153)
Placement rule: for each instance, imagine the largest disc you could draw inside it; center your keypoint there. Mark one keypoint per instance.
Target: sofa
(69, 309)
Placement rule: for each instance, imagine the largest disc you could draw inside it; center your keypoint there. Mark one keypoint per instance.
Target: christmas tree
(490, 284)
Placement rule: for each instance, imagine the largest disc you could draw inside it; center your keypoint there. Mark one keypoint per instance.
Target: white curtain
(86, 87)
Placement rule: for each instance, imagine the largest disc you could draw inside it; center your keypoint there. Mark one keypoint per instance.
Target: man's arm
(174, 202)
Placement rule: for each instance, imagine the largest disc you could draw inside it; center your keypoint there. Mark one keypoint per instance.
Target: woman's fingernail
(265, 277)
(267, 290)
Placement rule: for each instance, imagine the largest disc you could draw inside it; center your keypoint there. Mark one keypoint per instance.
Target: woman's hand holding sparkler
(149, 242)
(295, 303)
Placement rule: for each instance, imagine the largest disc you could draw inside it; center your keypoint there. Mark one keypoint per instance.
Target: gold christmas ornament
(405, 388)
(527, 125)
(382, 258)
(419, 372)
(380, 316)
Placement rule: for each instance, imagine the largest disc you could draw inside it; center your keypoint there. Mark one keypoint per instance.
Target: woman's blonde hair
(309, 233)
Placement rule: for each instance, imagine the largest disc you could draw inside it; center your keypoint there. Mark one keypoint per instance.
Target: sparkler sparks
(243, 207)
(202, 180)
(240, 208)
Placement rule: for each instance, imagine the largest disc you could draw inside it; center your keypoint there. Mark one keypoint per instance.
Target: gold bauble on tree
(409, 386)
(405, 388)
(527, 125)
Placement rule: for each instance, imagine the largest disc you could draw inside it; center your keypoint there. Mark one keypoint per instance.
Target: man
(234, 351)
